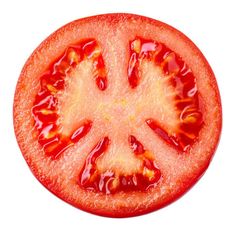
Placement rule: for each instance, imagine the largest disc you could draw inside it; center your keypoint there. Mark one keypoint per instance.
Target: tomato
(117, 114)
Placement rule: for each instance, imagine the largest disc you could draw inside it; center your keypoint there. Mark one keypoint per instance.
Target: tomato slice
(117, 114)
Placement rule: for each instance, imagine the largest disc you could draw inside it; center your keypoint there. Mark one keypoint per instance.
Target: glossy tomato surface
(117, 114)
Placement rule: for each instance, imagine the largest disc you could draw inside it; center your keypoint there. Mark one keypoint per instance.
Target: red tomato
(117, 114)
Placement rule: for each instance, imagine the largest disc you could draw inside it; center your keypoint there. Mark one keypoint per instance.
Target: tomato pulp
(117, 114)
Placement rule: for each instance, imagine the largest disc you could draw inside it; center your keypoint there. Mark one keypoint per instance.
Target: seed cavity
(111, 181)
(52, 81)
(182, 80)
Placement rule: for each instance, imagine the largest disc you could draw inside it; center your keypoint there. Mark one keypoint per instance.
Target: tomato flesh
(181, 78)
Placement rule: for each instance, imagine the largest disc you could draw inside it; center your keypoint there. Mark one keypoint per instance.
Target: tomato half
(117, 114)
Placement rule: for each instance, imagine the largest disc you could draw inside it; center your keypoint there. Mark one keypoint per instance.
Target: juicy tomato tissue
(117, 114)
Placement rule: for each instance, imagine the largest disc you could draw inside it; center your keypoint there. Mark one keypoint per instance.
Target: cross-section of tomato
(117, 114)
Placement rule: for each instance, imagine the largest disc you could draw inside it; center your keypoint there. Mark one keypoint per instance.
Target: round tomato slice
(117, 114)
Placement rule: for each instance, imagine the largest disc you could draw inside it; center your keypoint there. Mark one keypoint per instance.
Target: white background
(27, 208)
